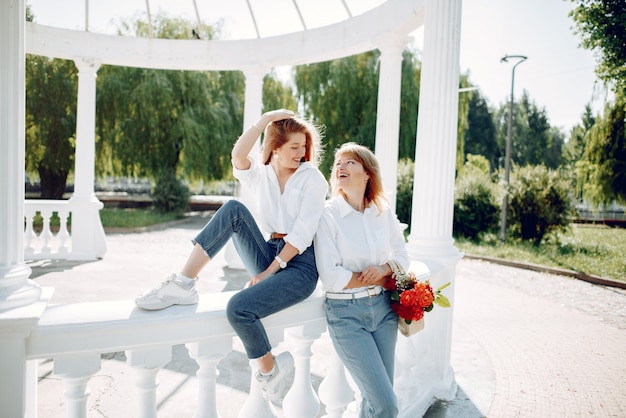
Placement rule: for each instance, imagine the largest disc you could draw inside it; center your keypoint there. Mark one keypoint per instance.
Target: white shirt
(348, 241)
(297, 211)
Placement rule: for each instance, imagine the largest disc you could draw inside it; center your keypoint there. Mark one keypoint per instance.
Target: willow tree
(167, 124)
(51, 88)
(342, 96)
(601, 25)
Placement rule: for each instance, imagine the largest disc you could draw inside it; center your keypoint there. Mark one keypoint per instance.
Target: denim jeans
(285, 288)
(364, 333)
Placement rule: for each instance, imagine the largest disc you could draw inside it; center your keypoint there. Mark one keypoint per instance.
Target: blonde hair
(277, 134)
(374, 192)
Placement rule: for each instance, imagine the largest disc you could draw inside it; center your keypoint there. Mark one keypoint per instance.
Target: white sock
(271, 372)
(185, 280)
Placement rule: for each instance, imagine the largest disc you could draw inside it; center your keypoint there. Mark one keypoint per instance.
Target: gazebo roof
(290, 32)
(239, 19)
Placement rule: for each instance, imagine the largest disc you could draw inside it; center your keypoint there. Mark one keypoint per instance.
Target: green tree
(601, 24)
(277, 95)
(165, 124)
(409, 104)
(575, 147)
(602, 169)
(51, 89)
(480, 136)
(342, 96)
(533, 141)
(463, 124)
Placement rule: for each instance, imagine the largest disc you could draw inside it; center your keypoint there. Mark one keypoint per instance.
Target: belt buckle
(373, 292)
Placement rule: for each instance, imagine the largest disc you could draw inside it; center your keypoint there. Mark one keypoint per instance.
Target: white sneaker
(171, 292)
(273, 386)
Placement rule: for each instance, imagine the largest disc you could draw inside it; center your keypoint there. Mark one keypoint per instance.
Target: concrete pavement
(525, 344)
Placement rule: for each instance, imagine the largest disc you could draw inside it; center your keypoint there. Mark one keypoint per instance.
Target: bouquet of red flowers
(411, 298)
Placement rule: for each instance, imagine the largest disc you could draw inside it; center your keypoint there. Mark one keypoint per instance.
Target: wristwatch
(282, 264)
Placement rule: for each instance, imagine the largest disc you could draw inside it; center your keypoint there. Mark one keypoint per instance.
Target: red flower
(424, 294)
(410, 298)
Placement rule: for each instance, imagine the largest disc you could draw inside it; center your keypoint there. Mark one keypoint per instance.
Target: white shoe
(171, 292)
(273, 386)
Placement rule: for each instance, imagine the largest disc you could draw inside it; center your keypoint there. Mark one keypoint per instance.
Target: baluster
(207, 355)
(29, 233)
(301, 400)
(335, 391)
(45, 235)
(76, 370)
(255, 406)
(63, 235)
(147, 363)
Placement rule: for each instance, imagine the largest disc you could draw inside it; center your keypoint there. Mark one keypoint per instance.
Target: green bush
(404, 198)
(539, 203)
(170, 195)
(476, 207)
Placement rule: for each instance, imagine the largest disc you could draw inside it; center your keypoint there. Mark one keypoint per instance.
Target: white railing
(47, 242)
(76, 335)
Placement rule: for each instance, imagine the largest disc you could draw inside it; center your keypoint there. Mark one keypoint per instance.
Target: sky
(558, 75)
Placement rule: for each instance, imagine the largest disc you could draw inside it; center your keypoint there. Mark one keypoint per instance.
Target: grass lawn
(591, 249)
(134, 218)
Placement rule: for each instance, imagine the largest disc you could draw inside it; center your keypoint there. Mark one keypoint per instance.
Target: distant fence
(612, 215)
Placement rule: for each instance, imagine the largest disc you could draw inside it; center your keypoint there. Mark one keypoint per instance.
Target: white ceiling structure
(289, 32)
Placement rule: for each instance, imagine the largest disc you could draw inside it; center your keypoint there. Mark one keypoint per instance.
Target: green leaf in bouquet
(443, 286)
(442, 301)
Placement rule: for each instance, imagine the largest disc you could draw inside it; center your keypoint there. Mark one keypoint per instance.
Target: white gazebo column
(430, 239)
(88, 242)
(253, 108)
(388, 113)
(21, 301)
(15, 289)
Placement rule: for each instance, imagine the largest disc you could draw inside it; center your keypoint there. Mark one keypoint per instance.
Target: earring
(275, 155)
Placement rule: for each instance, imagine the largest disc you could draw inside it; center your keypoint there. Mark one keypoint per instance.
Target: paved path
(525, 344)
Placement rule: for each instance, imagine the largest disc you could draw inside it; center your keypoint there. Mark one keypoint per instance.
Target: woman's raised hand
(278, 114)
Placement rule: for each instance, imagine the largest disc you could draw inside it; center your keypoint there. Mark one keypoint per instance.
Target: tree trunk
(52, 183)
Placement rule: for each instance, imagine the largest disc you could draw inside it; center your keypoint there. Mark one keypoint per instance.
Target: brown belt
(276, 235)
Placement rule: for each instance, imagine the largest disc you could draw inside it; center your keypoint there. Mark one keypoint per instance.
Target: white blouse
(348, 241)
(297, 211)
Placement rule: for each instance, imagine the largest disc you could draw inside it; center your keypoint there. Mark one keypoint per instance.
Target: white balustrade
(47, 244)
(76, 335)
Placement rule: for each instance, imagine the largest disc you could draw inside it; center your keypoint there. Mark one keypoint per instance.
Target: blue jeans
(364, 333)
(285, 288)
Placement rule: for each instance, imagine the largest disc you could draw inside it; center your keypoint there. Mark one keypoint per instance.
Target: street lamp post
(507, 158)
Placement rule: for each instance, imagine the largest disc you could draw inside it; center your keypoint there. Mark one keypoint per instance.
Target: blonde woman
(357, 237)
